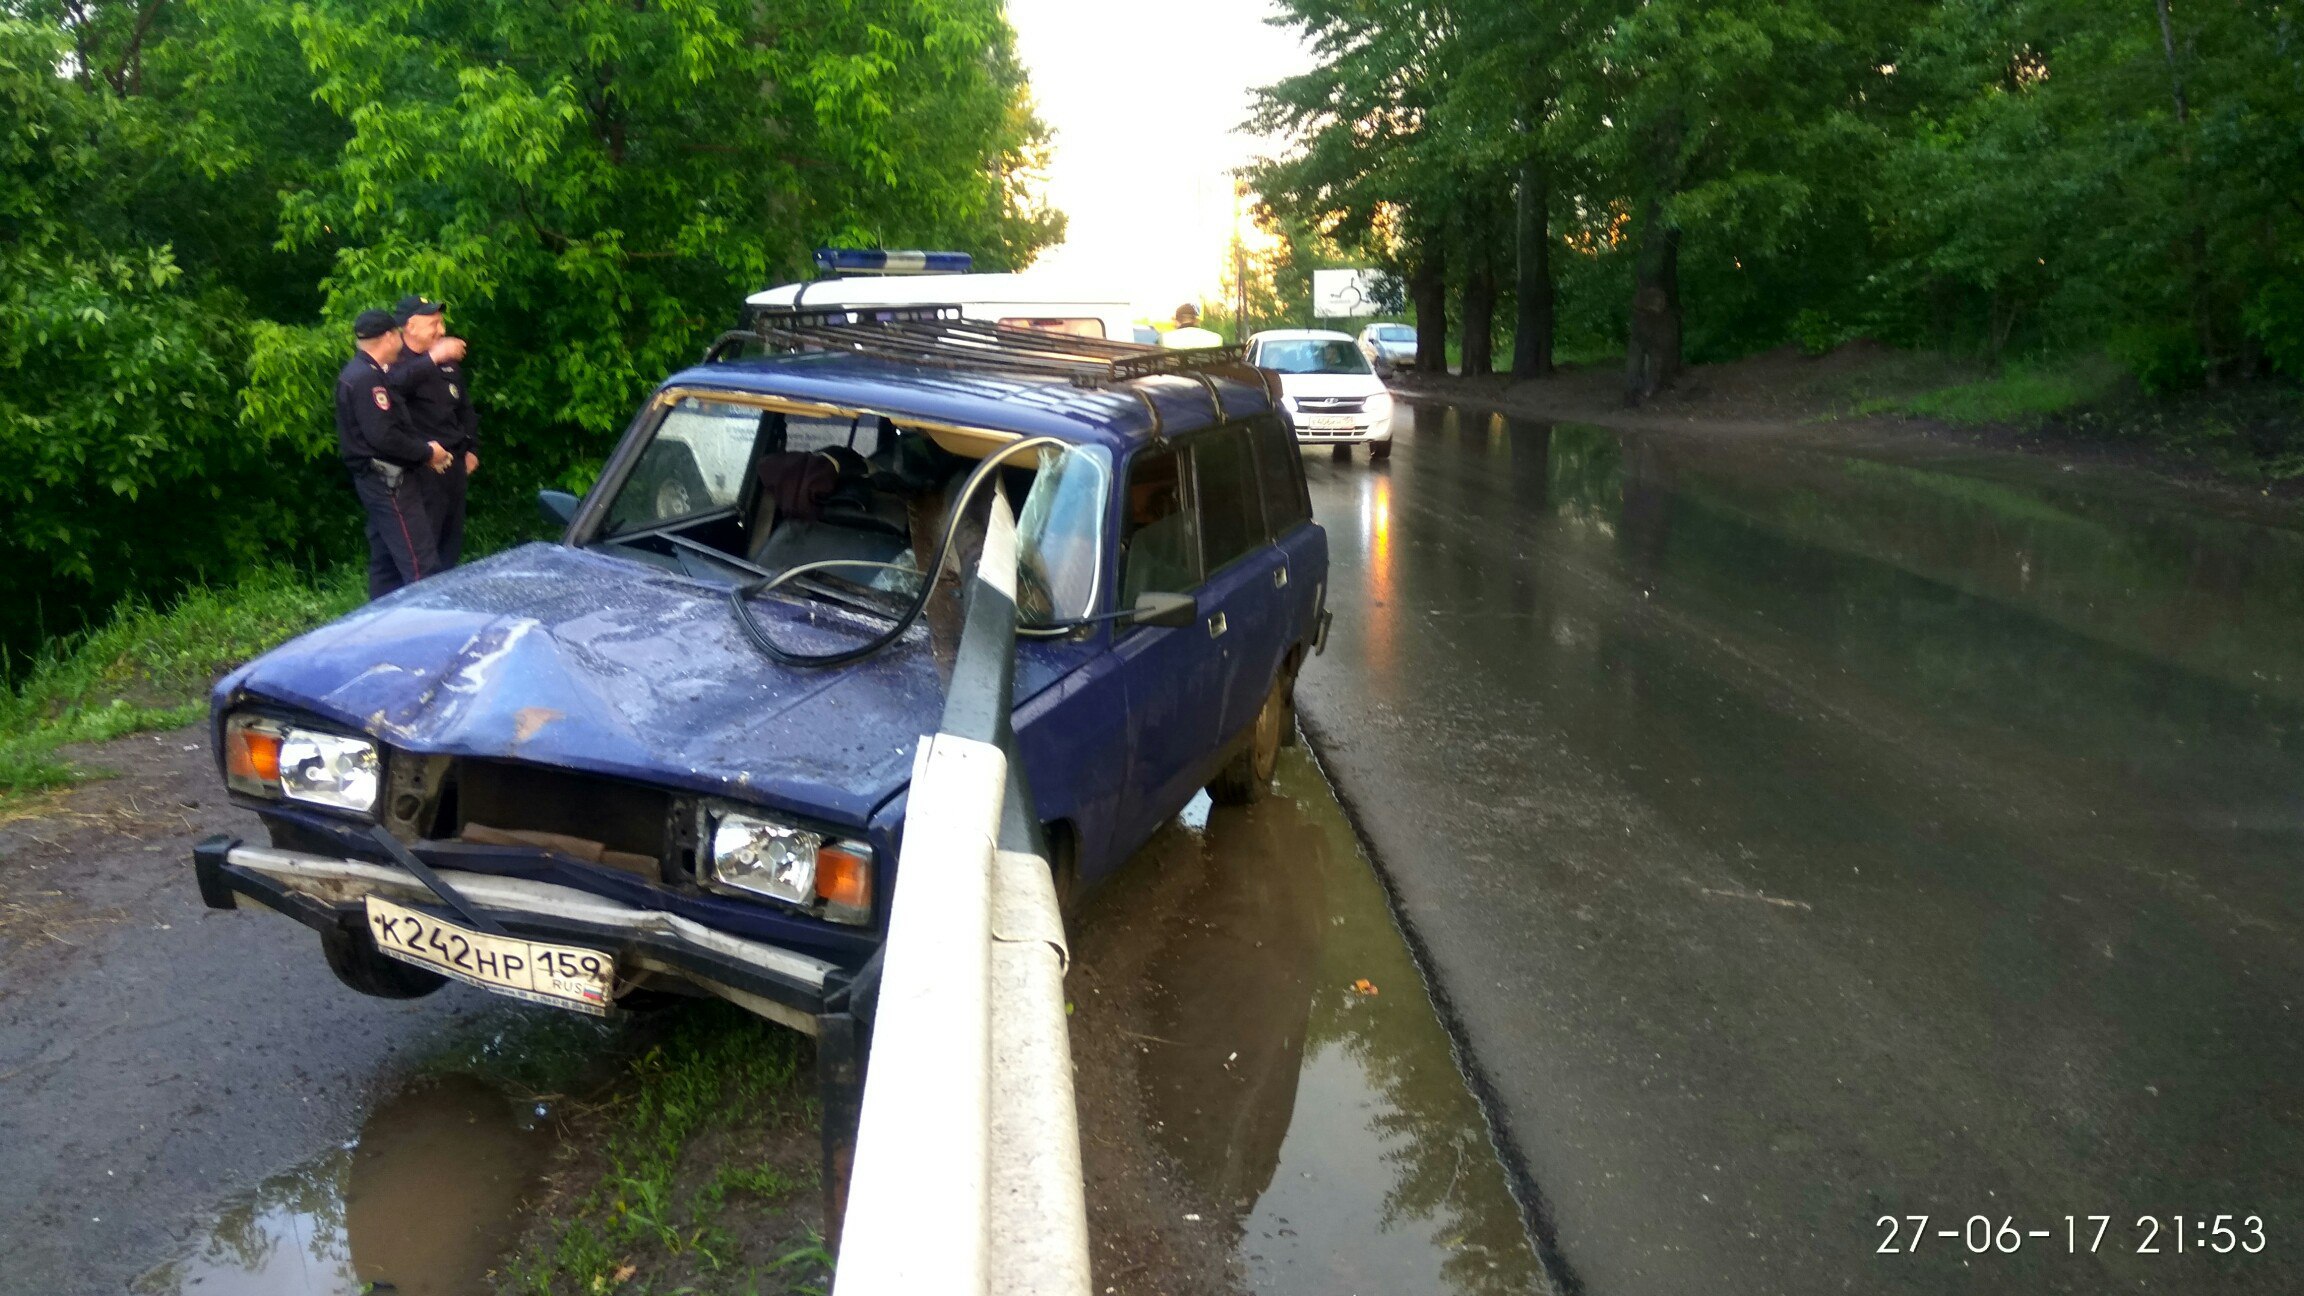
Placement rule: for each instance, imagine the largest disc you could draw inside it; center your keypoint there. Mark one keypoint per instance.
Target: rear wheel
(352, 955)
(1248, 775)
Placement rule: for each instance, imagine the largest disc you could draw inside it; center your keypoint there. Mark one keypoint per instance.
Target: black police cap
(371, 324)
(411, 307)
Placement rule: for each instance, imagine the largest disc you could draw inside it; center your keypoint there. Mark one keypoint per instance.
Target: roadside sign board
(1349, 294)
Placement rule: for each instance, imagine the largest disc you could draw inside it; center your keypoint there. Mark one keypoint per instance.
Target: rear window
(1076, 326)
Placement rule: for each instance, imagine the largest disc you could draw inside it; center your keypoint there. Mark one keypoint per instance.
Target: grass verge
(150, 669)
(696, 1172)
(2022, 393)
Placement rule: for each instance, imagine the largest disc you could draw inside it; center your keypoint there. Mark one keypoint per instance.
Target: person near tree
(386, 455)
(429, 379)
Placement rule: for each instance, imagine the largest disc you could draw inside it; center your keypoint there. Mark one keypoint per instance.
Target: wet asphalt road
(157, 1057)
(1801, 836)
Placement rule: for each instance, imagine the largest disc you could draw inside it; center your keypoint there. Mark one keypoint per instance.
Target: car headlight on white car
(290, 762)
(757, 856)
(1379, 412)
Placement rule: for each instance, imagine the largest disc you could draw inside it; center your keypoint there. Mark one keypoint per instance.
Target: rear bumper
(325, 893)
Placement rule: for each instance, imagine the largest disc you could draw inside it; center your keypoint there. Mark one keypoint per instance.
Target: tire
(1248, 775)
(1379, 451)
(1340, 453)
(677, 490)
(352, 955)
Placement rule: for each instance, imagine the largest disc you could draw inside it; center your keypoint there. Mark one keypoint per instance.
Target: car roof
(1117, 415)
(1300, 335)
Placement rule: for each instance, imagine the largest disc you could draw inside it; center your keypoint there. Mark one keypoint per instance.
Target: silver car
(1389, 346)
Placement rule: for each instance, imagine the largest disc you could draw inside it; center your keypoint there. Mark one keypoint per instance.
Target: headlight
(1379, 412)
(272, 758)
(794, 866)
(329, 769)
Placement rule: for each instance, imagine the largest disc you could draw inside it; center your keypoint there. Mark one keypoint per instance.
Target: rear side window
(1280, 476)
(1231, 505)
(1077, 326)
(1161, 544)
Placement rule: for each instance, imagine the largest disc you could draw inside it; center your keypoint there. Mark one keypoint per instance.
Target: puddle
(1297, 1072)
(426, 1200)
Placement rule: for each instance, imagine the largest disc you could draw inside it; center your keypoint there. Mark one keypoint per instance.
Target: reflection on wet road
(1291, 1063)
(423, 1204)
(1803, 836)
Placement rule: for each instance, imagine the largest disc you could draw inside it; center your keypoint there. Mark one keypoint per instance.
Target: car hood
(563, 657)
(1330, 384)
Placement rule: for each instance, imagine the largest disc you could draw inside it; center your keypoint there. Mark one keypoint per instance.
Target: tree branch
(128, 77)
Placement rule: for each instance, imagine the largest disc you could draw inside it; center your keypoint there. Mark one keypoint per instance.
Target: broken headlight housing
(750, 855)
(283, 761)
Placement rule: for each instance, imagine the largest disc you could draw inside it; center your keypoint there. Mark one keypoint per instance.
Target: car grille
(1331, 404)
(635, 828)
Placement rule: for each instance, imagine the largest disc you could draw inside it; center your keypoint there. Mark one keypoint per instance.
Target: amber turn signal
(252, 758)
(844, 880)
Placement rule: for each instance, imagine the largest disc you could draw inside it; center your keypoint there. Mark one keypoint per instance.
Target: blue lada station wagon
(670, 752)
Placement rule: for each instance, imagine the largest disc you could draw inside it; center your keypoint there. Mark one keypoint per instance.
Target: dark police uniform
(386, 456)
(439, 404)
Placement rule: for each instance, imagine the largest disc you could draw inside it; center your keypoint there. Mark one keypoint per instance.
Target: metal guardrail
(966, 1172)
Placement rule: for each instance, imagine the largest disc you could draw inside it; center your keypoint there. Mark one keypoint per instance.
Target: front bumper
(1359, 434)
(326, 893)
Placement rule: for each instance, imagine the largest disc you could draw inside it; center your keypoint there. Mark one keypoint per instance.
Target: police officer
(385, 454)
(429, 377)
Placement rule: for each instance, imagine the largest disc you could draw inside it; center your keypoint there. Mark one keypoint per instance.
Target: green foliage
(148, 669)
(1998, 176)
(2024, 393)
(196, 197)
(667, 1206)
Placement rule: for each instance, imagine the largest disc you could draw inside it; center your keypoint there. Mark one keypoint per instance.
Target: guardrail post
(966, 1177)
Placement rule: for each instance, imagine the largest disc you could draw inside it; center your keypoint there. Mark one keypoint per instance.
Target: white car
(1389, 346)
(1332, 395)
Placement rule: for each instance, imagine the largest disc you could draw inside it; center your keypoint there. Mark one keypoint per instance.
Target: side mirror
(1170, 610)
(557, 506)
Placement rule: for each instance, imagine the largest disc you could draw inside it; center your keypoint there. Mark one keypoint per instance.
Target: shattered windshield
(848, 506)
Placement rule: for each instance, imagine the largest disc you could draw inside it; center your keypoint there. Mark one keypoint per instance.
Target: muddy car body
(582, 740)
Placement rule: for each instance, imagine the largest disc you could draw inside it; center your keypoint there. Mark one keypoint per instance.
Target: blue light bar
(858, 261)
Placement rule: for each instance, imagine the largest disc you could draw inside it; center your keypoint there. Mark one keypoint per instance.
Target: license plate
(1327, 422)
(563, 976)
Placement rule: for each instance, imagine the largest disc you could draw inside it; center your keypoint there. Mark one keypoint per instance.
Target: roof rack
(938, 335)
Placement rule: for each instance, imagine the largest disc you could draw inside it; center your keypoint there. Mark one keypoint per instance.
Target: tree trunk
(1480, 297)
(1652, 355)
(1532, 334)
(2204, 330)
(1428, 292)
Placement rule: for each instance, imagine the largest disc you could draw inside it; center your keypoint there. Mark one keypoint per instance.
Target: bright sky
(1144, 100)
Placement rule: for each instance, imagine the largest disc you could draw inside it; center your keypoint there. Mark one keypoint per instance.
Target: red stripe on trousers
(405, 538)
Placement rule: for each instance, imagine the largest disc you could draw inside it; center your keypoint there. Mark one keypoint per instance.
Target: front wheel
(1248, 775)
(1340, 453)
(1379, 451)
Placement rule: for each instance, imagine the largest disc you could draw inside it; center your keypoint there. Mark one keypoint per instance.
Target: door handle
(1280, 578)
(1216, 626)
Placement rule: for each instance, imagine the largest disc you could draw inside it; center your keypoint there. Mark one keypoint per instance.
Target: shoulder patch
(383, 398)
(452, 391)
